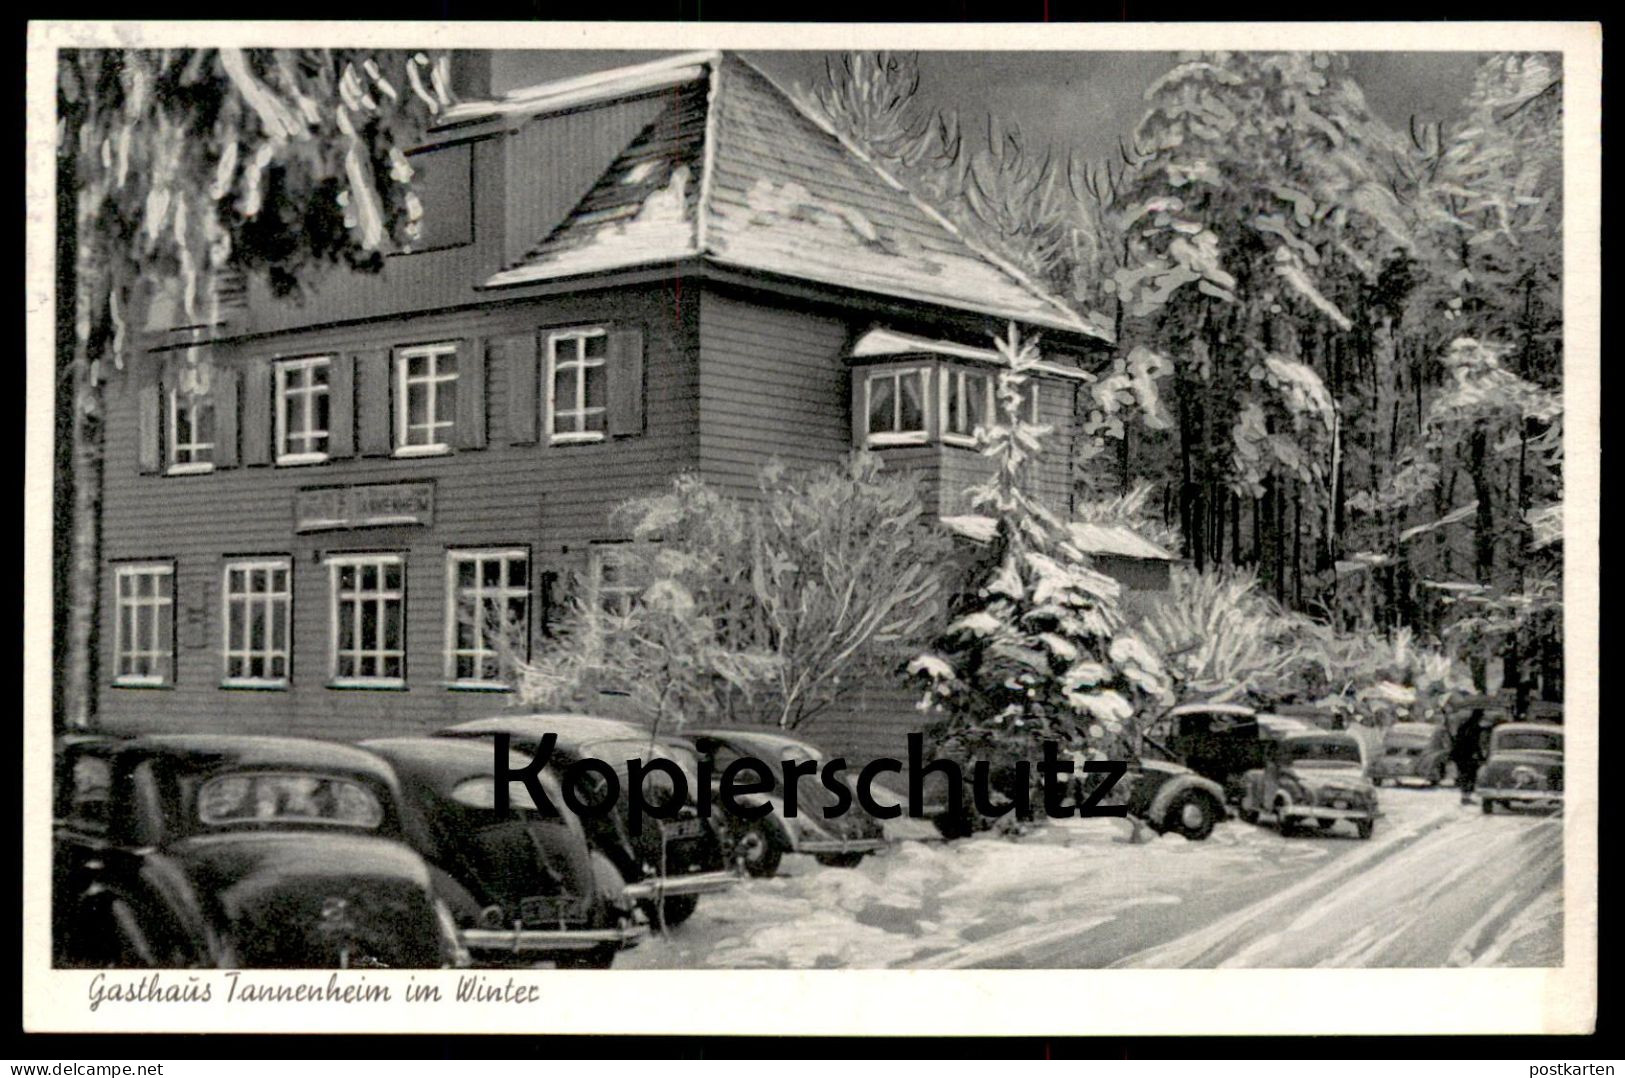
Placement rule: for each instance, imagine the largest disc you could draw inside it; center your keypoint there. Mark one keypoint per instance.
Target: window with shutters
(191, 433)
(425, 399)
(144, 624)
(487, 613)
(894, 406)
(256, 615)
(577, 385)
(302, 404)
(367, 613)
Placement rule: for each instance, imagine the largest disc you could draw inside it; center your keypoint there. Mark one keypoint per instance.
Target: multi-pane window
(967, 401)
(257, 601)
(368, 615)
(894, 403)
(616, 577)
(302, 403)
(487, 613)
(425, 398)
(578, 385)
(191, 432)
(144, 624)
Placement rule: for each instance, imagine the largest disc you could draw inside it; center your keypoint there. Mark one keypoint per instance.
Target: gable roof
(734, 171)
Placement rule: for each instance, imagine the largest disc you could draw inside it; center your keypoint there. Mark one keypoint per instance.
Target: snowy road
(1438, 885)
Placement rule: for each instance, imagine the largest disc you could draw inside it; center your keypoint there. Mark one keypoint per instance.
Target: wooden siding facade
(517, 491)
(730, 379)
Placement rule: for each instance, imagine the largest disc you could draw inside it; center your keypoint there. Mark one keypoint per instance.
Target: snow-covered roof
(1116, 539)
(584, 90)
(735, 172)
(889, 342)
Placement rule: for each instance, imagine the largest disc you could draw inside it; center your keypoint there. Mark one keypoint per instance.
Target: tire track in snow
(1435, 896)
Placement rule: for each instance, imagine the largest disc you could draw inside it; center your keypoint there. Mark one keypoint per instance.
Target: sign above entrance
(371, 506)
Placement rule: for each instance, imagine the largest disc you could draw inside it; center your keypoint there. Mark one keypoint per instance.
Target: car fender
(1178, 785)
(162, 888)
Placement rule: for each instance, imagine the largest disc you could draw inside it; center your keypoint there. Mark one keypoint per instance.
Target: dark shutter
(372, 403)
(341, 406)
(470, 432)
(225, 417)
(149, 420)
(519, 353)
(625, 382)
(860, 417)
(256, 432)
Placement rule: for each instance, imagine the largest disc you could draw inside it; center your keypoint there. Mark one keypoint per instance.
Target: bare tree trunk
(79, 675)
(62, 450)
(1297, 547)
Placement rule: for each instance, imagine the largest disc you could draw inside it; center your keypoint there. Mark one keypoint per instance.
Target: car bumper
(1395, 771)
(695, 883)
(840, 845)
(505, 942)
(1320, 812)
(1518, 793)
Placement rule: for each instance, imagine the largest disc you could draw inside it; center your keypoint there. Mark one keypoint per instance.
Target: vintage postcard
(662, 528)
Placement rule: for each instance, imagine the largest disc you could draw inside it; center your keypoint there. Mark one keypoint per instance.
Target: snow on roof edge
(881, 341)
(1071, 321)
(585, 89)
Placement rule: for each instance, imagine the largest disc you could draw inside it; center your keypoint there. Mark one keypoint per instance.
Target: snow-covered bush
(1221, 638)
(765, 608)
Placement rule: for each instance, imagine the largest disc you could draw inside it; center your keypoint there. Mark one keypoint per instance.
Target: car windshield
(288, 798)
(1317, 751)
(1528, 741)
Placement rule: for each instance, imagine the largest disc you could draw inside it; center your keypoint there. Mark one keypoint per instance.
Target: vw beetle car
(759, 845)
(668, 864)
(1524, 766)
(1311, 776)
(235, 851)
(1412, 750)
(522, 887)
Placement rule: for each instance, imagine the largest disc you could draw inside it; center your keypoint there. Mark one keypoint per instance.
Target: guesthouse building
(662, 269)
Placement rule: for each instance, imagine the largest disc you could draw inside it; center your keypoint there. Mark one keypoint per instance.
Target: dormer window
(894, 405)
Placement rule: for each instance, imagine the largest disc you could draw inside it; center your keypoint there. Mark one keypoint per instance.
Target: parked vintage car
(1223, 742)
(234, 851)
(759, 845)
(522, 887)
(1413, 750)
(1172, 799)
(668, 864)
(1311, 776)
(1524, 766)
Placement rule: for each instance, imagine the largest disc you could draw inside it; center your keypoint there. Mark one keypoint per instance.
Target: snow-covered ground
(1439, 884)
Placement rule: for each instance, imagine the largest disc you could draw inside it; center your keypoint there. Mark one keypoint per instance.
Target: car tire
(597, 958)
(1488, 806)
(758, 850)
(840, 860)
(679, 908)
(1193, 814)
(1285, 824)
(1377, 780)
(1364, 827)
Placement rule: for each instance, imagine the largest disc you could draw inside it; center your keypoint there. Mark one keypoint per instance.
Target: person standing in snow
(1467, 753)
